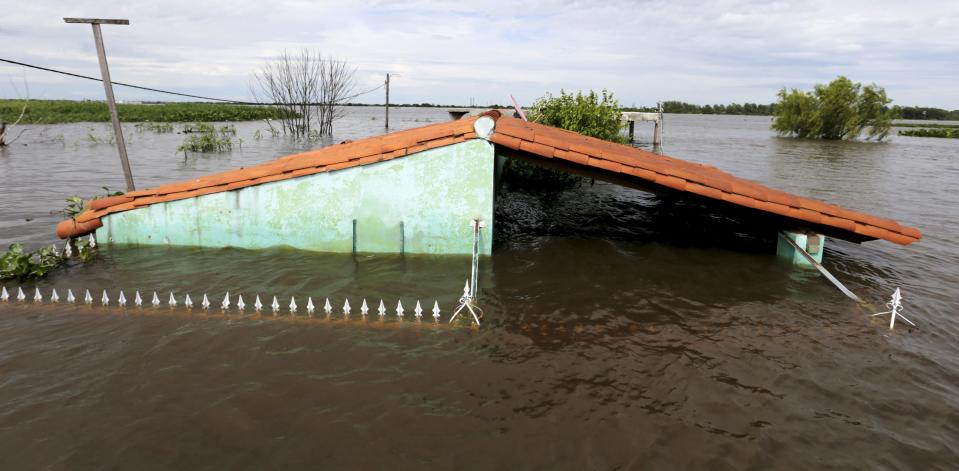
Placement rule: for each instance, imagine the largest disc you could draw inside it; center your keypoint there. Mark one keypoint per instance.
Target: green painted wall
(434, 194)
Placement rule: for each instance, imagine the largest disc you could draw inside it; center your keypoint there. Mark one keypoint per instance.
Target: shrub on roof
(591, 114)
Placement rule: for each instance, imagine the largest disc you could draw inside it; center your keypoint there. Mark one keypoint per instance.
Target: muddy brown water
(622, 330)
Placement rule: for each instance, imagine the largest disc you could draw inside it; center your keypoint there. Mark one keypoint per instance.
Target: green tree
(591, 114)
(840, 109)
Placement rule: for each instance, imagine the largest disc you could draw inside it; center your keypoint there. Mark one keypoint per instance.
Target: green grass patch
(952, 133)
(66, 111)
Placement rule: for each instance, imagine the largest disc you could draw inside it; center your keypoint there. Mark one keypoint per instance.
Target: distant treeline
(681, 107)
(920, 112)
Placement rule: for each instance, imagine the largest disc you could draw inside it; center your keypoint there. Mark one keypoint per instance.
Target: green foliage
(840, 109)
(16, 263)
(159, 128)
(591, 114)
(205, 137)
(952, 133)
(66, 111)
(74, 206)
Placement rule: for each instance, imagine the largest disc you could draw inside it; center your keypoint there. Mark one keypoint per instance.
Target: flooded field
(622, 330)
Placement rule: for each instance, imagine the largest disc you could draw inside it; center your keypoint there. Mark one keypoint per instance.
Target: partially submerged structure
(419, 190)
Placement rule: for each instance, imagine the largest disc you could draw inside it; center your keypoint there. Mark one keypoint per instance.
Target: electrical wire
(168, 92)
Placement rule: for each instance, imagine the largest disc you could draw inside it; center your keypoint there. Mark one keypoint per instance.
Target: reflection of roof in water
(536, 141)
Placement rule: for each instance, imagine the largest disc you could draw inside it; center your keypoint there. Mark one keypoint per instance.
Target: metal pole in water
(387, 102)
(108, 88)
(822, 269)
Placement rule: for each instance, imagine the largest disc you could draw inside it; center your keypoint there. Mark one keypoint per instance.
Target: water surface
(622, 330)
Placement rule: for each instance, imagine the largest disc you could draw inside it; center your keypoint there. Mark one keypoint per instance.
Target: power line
(223, 100)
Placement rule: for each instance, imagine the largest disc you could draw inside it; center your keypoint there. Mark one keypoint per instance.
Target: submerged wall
(421, 203)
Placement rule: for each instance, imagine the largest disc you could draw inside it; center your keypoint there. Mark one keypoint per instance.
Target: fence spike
(275, 306)
(37, 297)
(93, 241)
(156, 300)
(399, 308)
(67, 250)
(122, 300)
(4, 295)
(239, 303)
(206, 302)
(381, 310)
(54, 297)
(137, 300)
(188, 302)
(293, 305)
(418, 311)
(346, 307)
(20, 295)
(364, 308)
(436, 309)
(327, 307)
(309, 306)
(257, 305)
(87, 298)
(226, 301)
(171, 301)
(70, 297)
(105, 300)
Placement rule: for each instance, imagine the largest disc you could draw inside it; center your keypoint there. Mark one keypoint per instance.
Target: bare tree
(311, 87)
(23, 111)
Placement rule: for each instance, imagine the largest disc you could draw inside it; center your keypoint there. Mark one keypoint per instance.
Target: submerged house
(419, 191)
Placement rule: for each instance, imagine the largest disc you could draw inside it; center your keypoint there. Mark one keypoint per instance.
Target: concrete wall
(432, 195)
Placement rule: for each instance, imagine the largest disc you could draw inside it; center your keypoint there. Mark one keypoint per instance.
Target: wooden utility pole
(387, 101)
(108, 88)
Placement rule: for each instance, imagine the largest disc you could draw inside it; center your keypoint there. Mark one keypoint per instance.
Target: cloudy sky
(449, 52)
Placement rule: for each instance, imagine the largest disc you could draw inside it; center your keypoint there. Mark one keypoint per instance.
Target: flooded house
(420, 191)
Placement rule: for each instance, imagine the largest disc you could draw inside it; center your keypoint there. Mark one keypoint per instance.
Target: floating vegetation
(205, 137)
(94, 139)
(17, 263)
(66, 111)
(931, 132)
(159, 128)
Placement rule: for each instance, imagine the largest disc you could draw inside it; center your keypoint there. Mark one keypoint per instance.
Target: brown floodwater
(622, 330)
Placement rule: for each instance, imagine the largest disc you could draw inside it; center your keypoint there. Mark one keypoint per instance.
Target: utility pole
(387, 102)
(108, 88)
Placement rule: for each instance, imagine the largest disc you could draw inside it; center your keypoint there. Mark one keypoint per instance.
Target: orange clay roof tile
(517, 135)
